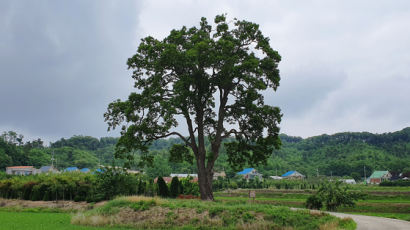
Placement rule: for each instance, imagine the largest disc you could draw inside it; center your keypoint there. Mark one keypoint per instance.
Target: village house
(48, 169)
(250, 173)
(166, 179)
(21, 170)
(183, 175)
(379, 176)
(194, 176)
(85, 170)
(180, 176)
(276, 177)
(293, 175)
(219, 174)
(348, 181)
(71, 169)
(133, 171)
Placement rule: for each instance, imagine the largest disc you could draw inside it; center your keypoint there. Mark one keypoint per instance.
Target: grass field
(391, 202)
(41, 221)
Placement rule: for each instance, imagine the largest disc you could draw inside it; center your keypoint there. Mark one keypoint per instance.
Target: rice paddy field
(12, 220)
(391, 202)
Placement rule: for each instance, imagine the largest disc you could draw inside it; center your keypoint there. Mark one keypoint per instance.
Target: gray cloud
(300, 91)
(61, 63)
(345, 63)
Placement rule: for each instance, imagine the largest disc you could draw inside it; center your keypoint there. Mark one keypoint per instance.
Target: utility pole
(52, 159)
(99, 159)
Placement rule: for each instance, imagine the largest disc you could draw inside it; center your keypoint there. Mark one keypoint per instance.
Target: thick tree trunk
(205, 184)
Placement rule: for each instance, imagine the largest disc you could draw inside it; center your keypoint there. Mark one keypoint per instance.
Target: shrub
(314, 202)
(162, 187)
(333, 196)
(141, 187)
(112, 182)
(189, 188)
(401, 183)
(175, 188)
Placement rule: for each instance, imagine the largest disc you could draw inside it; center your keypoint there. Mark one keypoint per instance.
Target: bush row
(223, 184)
(85, 187)
(401, 183)
(177, 187)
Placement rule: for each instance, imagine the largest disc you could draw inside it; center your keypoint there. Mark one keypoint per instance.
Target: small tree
(174, 189)
(333, 196)
(141, 187)
(314, 202)
(355, 176)
(162, 187)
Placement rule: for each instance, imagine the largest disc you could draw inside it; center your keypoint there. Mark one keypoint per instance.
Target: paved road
(375, 223)
(372, 222)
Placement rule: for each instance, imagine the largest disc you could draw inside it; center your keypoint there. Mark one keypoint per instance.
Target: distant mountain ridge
(339, 154)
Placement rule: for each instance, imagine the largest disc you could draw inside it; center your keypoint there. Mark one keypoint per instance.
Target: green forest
(341, 154)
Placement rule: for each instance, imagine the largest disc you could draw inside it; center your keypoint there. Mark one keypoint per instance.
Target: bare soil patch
(62, 205)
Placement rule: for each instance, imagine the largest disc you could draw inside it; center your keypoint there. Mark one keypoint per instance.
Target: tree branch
(173, 133)
(191, 133)
(233, 131)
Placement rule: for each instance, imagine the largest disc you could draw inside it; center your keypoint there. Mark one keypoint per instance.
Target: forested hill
(344, 153)
(339, 154)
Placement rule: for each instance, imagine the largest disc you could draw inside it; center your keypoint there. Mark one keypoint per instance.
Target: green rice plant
(247, 217)
(43, 221)
(214, 211)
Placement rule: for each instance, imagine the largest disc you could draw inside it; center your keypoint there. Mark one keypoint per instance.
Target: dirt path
(375, 223)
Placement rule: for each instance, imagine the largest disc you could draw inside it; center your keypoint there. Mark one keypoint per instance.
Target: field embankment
(139, 212)
(156, 213)
(50, 206)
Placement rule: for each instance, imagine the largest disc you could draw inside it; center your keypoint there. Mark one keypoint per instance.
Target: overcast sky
(345, 64)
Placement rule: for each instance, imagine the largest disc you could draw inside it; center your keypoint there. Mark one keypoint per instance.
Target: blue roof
(245, 171)
(71, 169)
(85, 170)
(45, 168)
(288, 173)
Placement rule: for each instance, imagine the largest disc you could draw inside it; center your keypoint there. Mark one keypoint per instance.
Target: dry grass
(81, 219)
(156, 199)
(156, 217)
(336, 224)
(332, 225)
(62, 205)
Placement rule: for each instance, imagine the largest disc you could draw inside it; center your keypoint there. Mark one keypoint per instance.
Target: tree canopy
(212, 77)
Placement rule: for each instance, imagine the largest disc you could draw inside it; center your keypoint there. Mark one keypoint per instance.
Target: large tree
(210, 78)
